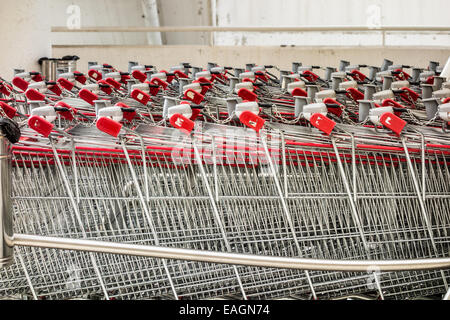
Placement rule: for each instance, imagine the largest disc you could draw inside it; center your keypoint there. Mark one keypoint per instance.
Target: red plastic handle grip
(310, 75)
(94, 74)
(66, 84)
(252, 120)
(299, 92)
(336, 111)
(195, 114)
(138, 75)
(124, 78)
(358, 75)
(113, 83)
(5, 89)
(169, 76)
(246, 94)
(392, 122)
(206, 87)
(193, 96)
(40, 125)
(354, 94)
(140, 96)
(429, 80)
(69, 114)
(392, 103)
(401, 75)
(182, 123)
(105, 87)
(409, 93)
(8, 110)
(180, 74)
(55, 89)
(65, 105)
(109, 126)
(261, 76)
(322, 123)
(34, 95)
(203, 80)
(159, 82)
(20, 83)
(128, 115)
(153, 89)
(37, 77)
(88, 96)
(81, 78)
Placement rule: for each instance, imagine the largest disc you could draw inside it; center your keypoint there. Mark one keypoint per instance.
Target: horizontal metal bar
(292, 196)
(252, 29)
(227, 258)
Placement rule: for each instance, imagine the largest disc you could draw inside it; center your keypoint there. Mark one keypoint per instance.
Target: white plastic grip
(258, 68)
(194, 86)
(444, 111)
(245, 85)
(375, 114)
(114, 113)
(160, 75)
(348, 84)
(115, 75)
(385, 94)
(93, 87)
(296, 84)
(217, 69)
(67, 75)
(46, 112)
(324, 94)
(313, 108)
(250, 75)
(141, 86)
(40, 86)
(183, 109)
(247, 106)
(204, 74)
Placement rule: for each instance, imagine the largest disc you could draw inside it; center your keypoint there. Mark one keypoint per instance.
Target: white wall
(331, 13)
(108, 13)
(123, 13)
(185, 13)
(24, 35)
(257, 13)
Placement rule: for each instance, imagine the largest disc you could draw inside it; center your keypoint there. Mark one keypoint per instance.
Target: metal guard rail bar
(255, 29)
(227, 258)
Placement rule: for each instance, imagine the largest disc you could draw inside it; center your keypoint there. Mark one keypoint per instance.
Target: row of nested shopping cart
(347, 163)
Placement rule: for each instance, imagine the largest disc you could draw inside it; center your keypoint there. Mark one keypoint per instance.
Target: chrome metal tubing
(226, 257)
(6, 230)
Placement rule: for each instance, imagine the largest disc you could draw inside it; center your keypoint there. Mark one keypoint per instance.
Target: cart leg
(216, 213)
(286, 211)
(78, 217)
(447, 295)
(6, 230)
(422, 206)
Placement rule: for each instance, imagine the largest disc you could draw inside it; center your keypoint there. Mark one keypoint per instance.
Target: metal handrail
(254, 29)
(226, 257)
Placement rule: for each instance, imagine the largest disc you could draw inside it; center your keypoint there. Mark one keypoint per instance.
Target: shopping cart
(352, 193)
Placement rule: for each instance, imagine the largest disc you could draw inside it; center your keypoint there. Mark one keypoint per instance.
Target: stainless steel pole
(227, 257)
(6, 230)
